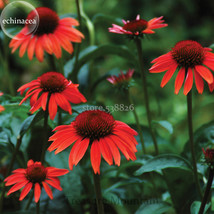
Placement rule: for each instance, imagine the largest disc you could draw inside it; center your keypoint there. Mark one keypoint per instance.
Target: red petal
(105, 151)
(199, 82)
(39, 49)
(25, 191)
(31, 48)
(188, 82)
(54, 184)
(37, 192)
(179, 80)
(17, 186)
(95, 157)
(167, 76)
(48, 190)
(52, 107)
(205, 73)
(55, 172)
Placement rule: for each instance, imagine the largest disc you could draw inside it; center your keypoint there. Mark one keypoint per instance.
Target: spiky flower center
(188, 53)
(136, 26)
(36, 173)
(209, 155)
(94, 124)
(48, 20)
(52, 82)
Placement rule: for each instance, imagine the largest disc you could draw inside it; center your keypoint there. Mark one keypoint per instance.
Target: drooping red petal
(188, 82)
(39, 49)
(55, 46)
(95, 157)
(179, 80)
(114, 150)
(17, 186)
(105, 151)
(199, 82)
(17, 178)
(31, 48)
(37, 192)
(54, 184)
(167, 76)
(205, 73)
(44, 100)
(52, 107)
(55, 172)
(47, 190)
(25, 191)
(62, 102)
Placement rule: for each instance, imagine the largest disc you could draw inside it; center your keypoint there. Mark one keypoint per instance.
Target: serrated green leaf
(153, 208)
(163, 162)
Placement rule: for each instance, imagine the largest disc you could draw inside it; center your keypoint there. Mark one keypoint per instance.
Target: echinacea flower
(101, 132)
(121, 78)
(52, 86)
(50, 35)
(190, 59)
(138, 27)
(1, 107)
(35, 177)
(209, 155)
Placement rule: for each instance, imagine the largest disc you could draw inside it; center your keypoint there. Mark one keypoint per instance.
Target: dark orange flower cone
(192, 61)
(35, 177)
(50, 36)
(57, 88)
(101, 132)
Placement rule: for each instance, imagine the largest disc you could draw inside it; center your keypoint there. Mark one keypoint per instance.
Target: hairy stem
(146, 97)
(191, 140)
(99, 199)
(137, 123)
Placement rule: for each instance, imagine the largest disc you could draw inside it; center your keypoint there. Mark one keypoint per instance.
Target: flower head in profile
(138, 27)
(190, 59)
(101, 132)
(1, 107)
(35, 177)
(51, 34)
(54, 88)
(209, 156)
(121, 78)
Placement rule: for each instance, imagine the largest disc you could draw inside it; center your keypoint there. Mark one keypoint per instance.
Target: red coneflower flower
(55, 87)
(189, 58)
(209, 155)
(121, 78)
(138, 27)
(1, 107)
(35, 176)
(99, 130)
(51, 34)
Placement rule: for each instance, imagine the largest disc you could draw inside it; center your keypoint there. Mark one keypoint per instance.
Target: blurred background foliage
(187, 19)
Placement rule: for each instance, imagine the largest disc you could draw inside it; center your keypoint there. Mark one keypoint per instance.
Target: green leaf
(196, 206)
(165, 124)
(151, 207)
(31, 120)
(163, 162)
(181, 187)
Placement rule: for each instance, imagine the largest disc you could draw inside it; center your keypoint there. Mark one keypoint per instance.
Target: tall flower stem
(18, 144)
(191, 140)
(29, 201)
(99, 199)
(207, 191)
(146, 97)
(137, 123)
(45, 137)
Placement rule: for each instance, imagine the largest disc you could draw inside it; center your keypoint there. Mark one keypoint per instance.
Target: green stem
(51, 62)
(37, 208)
(79, 14)
(99, 199)
(137, 123)
(207, 191)
(146, 97)
(45, 142)
(18, 144)
(191, 140)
